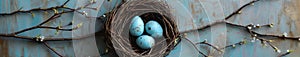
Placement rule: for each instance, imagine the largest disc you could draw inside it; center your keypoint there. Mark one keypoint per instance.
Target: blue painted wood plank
(263, 12)
(17, 48)
(190, 15)
(23, 48)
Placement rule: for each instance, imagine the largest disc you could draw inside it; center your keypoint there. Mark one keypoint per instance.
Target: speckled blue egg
(145, 42)
(154, 29)
(137, 26)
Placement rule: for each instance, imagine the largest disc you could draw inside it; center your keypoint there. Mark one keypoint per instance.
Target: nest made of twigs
(118, 23)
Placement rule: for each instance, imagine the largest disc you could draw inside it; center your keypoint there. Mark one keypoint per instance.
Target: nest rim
(131, 9)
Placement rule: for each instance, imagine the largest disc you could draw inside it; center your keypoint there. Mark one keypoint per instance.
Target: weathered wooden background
(190, 14)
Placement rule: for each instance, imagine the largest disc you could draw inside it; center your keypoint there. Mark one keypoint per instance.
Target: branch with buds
(57, 14)
(249, 28)
(42, 39)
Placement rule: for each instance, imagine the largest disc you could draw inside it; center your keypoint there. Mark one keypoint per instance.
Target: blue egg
(137, 26)
(154, 29)
(145, 42)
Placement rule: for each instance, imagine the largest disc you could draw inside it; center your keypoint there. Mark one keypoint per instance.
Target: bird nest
(118, 24)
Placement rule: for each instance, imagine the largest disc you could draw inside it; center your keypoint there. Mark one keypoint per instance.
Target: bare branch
(38, 9)
(194, 46)
(287, 53)
(234, 45)
(239, 10)
(57, 28)
(205, 42)
(48, 46)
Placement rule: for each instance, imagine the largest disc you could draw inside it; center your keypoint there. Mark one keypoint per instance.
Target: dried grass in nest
(118, 23)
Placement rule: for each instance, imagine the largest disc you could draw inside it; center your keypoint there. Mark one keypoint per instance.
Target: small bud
(252, 4)
(254, 26)
(233, 45)
(57, 32)
(79, 25)
(104, 15)
(205, 41)
(270, 40)
(254, 35)
(299, 39)
(289, 50)
(239, 12)
(277, 50)
(175, 42)
(271, 25)
(284, 34)
(42, 38)
(249, 27)
(92, 1)
(106, 50)
(84, 13)
(243, 42)
(36, 39)
(32, 14)
(55, 11)
(257, 26)
(185, 35)
(65, 6)
(59, 27)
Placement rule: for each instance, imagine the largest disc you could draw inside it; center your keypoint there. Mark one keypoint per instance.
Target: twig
(234, 45)
(194, 46)
(205, 42)
(250, 28)
(37, 9)
(58, 28)
(46, 39)
(15, 36)
(65, 3)
(253, 33)
(238, 11)
(223, 20)
(47, 45)
(56, 15)
(39, 25)
(287, 53)
(53, 17)
(274, 47)
(278, 36)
